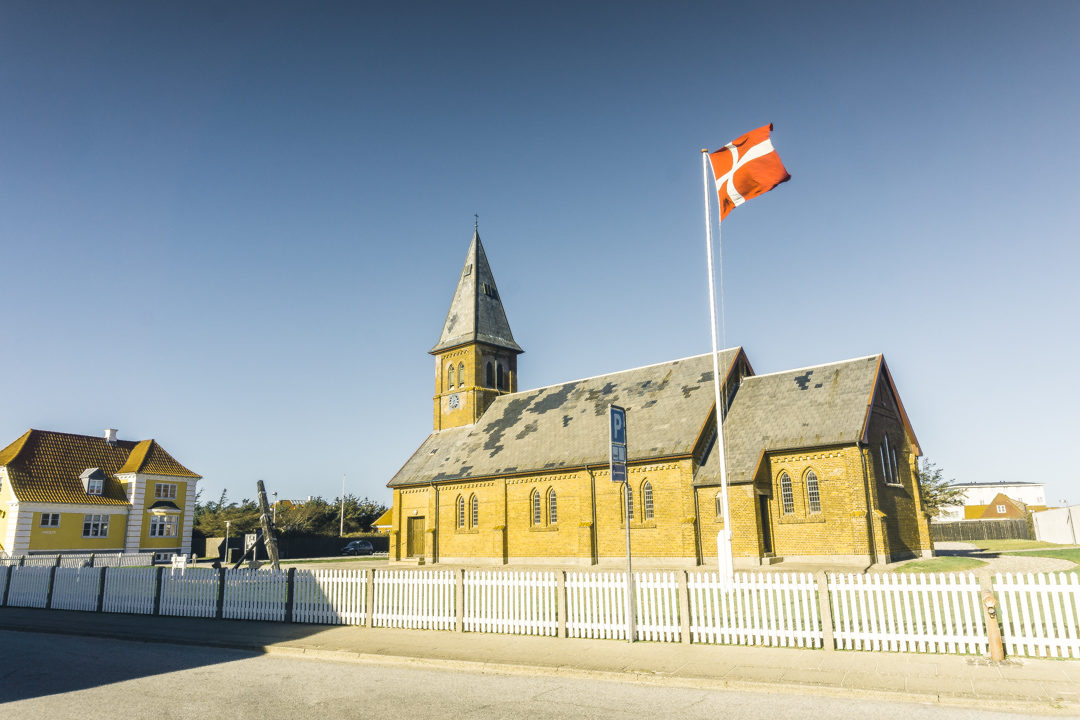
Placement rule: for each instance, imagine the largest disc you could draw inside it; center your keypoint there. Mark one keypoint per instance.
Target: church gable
(565, 426)
(811, 407)
(886, 407)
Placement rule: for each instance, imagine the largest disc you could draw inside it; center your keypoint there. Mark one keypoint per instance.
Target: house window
(474, 511)
(95, 526)
(553, 507)
(50, 520)
(94, 486)
(813, 492)
(165, 491)
(646, 501)
(450, 377)
(787, 496)
(460, 511)
(461, 374)
(534, 500)
(163, 525)
(1001, 509)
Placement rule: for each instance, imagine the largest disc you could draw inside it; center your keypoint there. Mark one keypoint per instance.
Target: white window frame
(553, 507)
(534, 502)
(1001, 509)
(787, 495)
(165, 491)
(813, 493)
(50, 520)
(94, 486)
(474, 511)
(95, 526)
(164, 525)
(646, 501)
(460, 511)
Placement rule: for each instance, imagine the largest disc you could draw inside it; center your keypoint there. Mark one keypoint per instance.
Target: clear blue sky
(236, 227)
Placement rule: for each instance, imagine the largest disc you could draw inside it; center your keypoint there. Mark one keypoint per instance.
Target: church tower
(476, 356)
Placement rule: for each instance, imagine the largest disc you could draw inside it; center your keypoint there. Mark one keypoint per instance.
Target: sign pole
(617, 467)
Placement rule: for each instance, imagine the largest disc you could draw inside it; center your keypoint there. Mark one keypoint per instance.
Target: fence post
(290, 599)
(459, 599)
(52, 581)
(990, 615)
(219, 613)
(684, 606)
(825, 610)
(561, 603)
(369, 597)
(91, 561)
(157, 589)
(101, 589)
(7, 584)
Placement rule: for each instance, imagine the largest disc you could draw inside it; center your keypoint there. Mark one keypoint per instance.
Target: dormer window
(93, 481)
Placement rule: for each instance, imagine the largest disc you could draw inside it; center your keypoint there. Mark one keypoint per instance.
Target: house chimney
(110, 435)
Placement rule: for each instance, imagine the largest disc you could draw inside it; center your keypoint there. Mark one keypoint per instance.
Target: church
(821, 460)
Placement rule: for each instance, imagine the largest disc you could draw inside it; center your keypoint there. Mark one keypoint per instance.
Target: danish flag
(745, 168)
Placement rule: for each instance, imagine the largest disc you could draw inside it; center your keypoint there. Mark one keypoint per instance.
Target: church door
(766, 529)
(414, 543)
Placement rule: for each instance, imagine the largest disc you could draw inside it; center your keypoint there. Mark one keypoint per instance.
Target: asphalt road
(59, 676)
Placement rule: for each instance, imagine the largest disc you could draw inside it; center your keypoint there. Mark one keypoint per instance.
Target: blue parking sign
(617, 456)
(618, 425)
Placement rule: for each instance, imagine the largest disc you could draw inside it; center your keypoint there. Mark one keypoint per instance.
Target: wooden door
(414, 544)
(766, 530)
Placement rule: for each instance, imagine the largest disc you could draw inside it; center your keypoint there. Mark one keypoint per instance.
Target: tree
(937, 493)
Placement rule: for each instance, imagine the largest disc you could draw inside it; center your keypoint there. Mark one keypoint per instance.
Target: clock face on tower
(455, 401)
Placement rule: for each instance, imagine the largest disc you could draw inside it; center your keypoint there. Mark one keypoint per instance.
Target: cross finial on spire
(476, 222)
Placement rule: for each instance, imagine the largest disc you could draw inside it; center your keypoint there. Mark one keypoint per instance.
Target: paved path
(1038, 685)
(1004, 563)
(63, 676)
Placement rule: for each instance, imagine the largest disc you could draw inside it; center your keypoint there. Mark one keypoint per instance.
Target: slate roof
(44, 466)
(565, 426)
(476, 313)
(811, 407)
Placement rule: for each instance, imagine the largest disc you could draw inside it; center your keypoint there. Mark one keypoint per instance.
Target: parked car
(358, 547)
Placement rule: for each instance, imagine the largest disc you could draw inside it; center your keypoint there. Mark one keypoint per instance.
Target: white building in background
(979, 496)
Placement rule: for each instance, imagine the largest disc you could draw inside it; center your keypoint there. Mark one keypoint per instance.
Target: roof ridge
(819, 365)
(620, 372)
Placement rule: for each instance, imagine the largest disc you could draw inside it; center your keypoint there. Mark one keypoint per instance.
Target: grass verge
(941, 564)
(1007, 545)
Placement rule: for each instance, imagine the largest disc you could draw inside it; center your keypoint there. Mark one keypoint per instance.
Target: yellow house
(76, 493)
(820, 460)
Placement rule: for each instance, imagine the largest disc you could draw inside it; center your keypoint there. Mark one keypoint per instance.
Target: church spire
(476, 313)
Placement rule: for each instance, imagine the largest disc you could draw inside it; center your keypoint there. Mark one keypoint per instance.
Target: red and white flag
(745, 168)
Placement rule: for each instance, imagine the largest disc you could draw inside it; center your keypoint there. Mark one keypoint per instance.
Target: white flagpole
(725, 560)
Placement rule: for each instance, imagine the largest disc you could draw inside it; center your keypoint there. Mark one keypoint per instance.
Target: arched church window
(813, 492)
(719, 500)
(787, 495)
(489, 375)
(629, 500)
(474, 511)
(534, 501)
(461, 374)
(499, 375)
(646, 501)
(450, 377)
(460, 511)
(553, 507)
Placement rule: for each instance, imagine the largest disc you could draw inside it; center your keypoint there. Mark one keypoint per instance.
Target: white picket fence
(936, 613)
(130, 590)
(28, 586)
(253, 594)
(418, 599)
(74, 560)
(596, 605)
(191, 592)
(330, 597)
(775, 609)
(516, 602)
(76, 588)
(1040, 613)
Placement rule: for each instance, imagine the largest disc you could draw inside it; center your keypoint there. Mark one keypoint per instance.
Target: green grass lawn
(1008, 545)
(1070, 554)
(941, 564)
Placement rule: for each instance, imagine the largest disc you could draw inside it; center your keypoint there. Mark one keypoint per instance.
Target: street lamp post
(225, 552)
(275, 507)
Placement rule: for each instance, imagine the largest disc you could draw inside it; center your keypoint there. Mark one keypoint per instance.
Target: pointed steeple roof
(476, 313)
